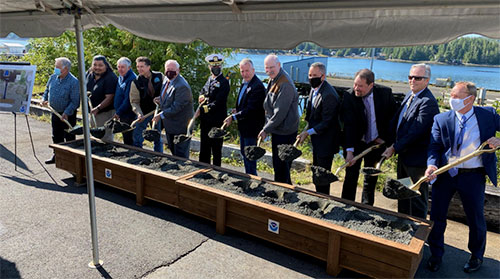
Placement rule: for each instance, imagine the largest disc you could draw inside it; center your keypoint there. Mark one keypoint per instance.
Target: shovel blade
(399, 189)
(76, 130)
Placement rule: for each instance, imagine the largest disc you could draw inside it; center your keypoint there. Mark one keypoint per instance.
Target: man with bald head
(457, 133)
(282, 114)
(176, 102)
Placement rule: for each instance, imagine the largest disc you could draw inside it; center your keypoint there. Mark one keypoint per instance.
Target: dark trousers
(281, 168)
(128, 137)
(470, 187)
(352, 174)
(415, 206)
(180, 149)
(209, 146)
(324, 162)
(59, 128)
(250, 166)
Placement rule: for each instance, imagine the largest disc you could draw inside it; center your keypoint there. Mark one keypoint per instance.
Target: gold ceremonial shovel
(405, 189)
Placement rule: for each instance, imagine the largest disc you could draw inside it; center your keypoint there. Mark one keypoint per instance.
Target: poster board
(16, 87)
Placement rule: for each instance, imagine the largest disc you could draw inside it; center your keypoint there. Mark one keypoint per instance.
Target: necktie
(165, 90)
(409, 103)
(456, 149)
(368, 113)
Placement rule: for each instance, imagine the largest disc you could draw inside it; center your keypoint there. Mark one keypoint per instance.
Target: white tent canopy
(264, 24)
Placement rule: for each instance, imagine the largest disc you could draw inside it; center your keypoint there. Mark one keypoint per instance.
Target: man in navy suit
(249, 111)
(456, 133)
(411, 127)
(322, 111)
(366, 110)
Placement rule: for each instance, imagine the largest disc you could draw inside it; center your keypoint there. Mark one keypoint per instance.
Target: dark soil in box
(143, 159)
(382, 225)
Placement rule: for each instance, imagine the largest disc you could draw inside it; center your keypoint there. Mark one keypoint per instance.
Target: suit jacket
(322, 116)
(354, 117)
(412, 138)
(250, 111)
(214, 111)
(176, 105)
(443, 137)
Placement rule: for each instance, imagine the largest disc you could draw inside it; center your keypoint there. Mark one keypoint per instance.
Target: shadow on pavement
(454, 260)
(9, 156)
(8, 269)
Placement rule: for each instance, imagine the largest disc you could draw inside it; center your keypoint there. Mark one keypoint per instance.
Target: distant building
(299, 69)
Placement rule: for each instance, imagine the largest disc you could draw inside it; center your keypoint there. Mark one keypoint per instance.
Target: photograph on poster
(16, 87)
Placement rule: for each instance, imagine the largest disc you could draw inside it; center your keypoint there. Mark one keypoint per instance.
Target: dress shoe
(433, 264)
(473, 264)
(52, 160)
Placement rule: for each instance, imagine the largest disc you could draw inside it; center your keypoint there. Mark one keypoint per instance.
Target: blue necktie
(456, 149)
(242, 92)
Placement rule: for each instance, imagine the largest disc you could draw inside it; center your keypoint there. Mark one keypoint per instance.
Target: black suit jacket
(214, 111)
(412, 138)
(250, 111)
(322, 116)
(354, 117)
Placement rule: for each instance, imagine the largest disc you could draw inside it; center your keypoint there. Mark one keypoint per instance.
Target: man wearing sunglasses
(411, 128)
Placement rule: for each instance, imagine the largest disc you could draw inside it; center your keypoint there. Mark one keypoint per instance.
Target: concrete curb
(228, 150)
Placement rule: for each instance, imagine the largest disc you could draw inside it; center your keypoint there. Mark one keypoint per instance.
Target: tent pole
(86, 136)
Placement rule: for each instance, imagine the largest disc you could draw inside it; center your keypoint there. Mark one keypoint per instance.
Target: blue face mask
(457, 104)
(57, 71)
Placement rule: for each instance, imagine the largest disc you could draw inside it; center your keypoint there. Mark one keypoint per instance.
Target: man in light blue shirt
(63, 95)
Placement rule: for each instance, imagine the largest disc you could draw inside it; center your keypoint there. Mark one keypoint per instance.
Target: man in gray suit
(282, 114)
(176, 102)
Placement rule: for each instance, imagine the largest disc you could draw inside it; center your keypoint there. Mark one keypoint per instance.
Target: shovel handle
(379, 164)
(132, 125)
(357, 157)
(296, 142)
(223, 126)
(91, 108)
(156, 113)
(447, 167)
(258, 141)
(60, 116)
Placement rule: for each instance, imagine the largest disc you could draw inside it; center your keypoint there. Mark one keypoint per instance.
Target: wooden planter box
(339, 246)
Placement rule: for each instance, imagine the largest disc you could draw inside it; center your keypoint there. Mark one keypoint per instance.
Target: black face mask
(315, 82)
(215, 71)
(170, 74)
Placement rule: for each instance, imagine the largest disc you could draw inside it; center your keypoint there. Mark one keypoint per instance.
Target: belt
(479, 170)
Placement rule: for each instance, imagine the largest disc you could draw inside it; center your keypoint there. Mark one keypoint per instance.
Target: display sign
(16, 87)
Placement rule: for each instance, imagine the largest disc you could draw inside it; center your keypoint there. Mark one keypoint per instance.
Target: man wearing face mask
(282, 114)
(366, 110)
(143, 90)
(322, 121)
(213, 111)
(455, 134)
(176, 102)
(410, 129)
(101, 82)
(62, 92)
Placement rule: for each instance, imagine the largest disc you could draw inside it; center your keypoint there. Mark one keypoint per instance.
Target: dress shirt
(314, 95)
(63, 94)
(371, 118)
(471, 140)
(407, 106)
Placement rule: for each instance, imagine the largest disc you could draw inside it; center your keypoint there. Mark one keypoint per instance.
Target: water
(487, 77)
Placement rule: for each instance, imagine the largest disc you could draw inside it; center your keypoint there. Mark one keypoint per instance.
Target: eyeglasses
(417, 78)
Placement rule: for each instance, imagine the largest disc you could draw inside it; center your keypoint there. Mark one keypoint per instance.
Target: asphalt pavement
(45, 230)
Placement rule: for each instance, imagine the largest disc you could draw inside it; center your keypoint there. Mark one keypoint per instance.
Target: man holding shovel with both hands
(63, 94)
(455, 134)
(176, 103)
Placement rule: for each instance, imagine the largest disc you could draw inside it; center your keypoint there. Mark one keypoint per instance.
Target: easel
(15, 117)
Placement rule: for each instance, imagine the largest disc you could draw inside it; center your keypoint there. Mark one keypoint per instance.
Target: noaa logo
(22, 109)
(156, 79)
(273, 226)
(108, 173)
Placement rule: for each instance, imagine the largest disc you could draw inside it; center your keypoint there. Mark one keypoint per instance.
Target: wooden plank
(370, 267)
(314, 232)
(79, 167)
(286, 237)
(198, 195)
(333, 258)
(139, 192)
(220, 226)
(198, 208)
